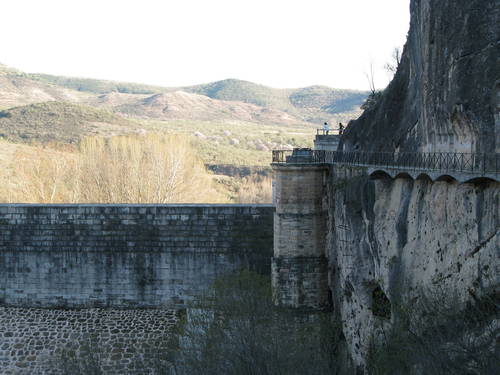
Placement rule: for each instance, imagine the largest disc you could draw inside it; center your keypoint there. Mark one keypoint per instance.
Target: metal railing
(328, 132)
(433, 161)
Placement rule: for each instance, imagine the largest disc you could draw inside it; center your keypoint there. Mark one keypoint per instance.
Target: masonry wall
(36, 341)
(299, 265)
(126, 255)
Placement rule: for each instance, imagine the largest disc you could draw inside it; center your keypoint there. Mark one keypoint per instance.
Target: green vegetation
(327, 99)
(372, 100)
(234, 123)
(98, 86)
(60, 122)
(248, 92)
(235, 328)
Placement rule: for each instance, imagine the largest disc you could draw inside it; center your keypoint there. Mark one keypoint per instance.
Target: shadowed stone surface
(126, 255)
(31, 339)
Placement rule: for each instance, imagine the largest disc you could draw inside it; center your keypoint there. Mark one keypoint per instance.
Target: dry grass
(255, 189)
(238, 143)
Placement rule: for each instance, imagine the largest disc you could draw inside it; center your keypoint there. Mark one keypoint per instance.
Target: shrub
(236, 329)
(440, 335)
(372, 100)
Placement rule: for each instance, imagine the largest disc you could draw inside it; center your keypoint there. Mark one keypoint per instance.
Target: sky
(278, 43)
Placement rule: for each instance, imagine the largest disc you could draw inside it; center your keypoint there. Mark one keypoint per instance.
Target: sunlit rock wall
(397, 238)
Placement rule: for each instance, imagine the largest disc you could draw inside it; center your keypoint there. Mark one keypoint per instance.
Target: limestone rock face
(445, 96)
(397, 238)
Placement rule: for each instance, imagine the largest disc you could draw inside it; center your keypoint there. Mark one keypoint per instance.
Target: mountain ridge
(230, 99)
(336, 101)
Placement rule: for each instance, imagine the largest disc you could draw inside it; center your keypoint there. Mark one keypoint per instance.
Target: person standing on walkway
(326, 128)
(341, 128)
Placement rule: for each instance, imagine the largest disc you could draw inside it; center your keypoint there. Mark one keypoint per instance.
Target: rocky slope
(445, 95)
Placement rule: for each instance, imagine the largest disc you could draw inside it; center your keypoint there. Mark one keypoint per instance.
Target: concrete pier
(327, 142)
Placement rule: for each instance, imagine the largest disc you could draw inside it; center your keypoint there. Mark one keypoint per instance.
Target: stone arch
(404, 175)
(379, 174)
(479, 180)
(446, 178)
(424, 177)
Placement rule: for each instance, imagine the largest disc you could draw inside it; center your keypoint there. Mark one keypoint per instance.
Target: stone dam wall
(110, 277)
(126, 255)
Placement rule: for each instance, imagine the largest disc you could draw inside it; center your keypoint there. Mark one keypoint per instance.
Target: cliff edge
(445, 95)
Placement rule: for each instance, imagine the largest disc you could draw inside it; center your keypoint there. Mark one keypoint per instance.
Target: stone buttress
(299, 265)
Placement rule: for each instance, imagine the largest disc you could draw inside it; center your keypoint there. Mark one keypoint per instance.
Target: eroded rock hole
(381, 306)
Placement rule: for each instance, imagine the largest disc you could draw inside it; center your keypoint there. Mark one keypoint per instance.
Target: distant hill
(327, 99)
(310, 104)
(97, 86)
(295, 101)
(18, 88)
(247, 92)
(62, 122)
(181, 105)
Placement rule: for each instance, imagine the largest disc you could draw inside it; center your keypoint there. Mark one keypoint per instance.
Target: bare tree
(375, 95)
(393, 65)
(370, 76)
(154, 168)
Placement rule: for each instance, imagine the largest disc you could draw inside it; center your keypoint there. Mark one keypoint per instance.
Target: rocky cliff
(399, 244)
(445, 95)
(405, 243)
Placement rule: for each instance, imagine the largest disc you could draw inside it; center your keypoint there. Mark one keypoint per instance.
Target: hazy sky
(279, 43)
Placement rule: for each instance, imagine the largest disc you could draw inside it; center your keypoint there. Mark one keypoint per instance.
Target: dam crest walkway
(436, 166)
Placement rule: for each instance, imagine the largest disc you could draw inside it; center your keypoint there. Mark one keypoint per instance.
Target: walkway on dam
(437, 166)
